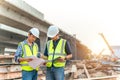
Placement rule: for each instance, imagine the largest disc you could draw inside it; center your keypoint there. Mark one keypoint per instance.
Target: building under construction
(16, 18)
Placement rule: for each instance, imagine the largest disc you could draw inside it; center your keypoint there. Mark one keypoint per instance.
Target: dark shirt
(38, 43)
(67, 47)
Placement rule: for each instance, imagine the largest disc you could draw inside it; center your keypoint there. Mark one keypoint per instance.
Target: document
(36, 62)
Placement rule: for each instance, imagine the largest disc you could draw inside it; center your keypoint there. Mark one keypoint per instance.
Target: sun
(98, 45)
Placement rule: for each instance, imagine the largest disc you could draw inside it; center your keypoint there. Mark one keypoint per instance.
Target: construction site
(17, 17)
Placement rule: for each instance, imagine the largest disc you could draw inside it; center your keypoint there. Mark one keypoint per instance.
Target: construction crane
(101, 34)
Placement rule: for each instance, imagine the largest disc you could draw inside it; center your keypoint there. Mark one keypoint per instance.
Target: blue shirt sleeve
(18, 53)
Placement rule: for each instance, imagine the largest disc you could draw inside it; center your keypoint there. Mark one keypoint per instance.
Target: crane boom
(101, 34)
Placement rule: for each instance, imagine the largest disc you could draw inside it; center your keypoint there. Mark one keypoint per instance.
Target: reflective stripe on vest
(28, 53)
(59, 52)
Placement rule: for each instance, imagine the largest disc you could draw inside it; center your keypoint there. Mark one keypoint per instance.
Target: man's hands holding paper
(25, 59)
(29, 59)
(36, 62)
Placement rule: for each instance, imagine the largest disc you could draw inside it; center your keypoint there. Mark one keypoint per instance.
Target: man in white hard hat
(57, 52)
(26, 50)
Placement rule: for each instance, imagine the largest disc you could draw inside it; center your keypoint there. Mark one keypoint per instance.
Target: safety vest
(27, 52)
(53, 54)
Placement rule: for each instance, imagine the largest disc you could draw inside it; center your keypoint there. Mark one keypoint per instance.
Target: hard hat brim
(51, 36)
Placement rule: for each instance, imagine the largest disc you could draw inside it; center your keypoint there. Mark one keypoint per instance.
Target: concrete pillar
(43, 40)
(2, 50)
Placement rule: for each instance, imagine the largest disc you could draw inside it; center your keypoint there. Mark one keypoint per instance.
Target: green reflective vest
(27, 52)
(58, 52)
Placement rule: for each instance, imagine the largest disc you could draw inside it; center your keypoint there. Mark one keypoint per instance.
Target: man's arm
(68, 57)
(25, 59)
(18, 55)
(68, 51)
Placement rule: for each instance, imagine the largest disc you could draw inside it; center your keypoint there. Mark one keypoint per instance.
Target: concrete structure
(18, 17)
(116, 50)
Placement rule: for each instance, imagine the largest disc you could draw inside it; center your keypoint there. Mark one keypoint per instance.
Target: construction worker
(57, 51)
(26, 50)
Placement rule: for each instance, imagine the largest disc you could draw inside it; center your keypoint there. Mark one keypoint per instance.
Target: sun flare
(99, 45)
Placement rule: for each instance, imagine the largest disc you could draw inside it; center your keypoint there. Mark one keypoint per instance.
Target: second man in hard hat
(57, 52)
(26, 50)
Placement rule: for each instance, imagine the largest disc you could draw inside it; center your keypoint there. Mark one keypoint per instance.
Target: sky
(85, 18)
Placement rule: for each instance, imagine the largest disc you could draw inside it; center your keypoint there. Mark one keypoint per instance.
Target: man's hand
(61, 59)
(29, 59)
(43, 57)
(25, 59)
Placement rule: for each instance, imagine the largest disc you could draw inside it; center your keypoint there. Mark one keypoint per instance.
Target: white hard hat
(52, 31)
(35, 32)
